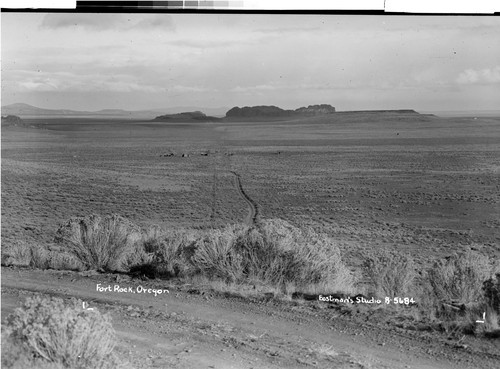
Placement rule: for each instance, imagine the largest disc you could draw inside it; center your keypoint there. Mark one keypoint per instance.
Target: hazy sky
(134, 61)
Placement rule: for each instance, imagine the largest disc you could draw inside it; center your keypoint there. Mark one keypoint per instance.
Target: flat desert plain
(422, 184)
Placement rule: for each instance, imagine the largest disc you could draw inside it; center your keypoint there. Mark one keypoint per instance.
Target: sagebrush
(169, 252)
(110, 243)
(459, 278)
(391, 273)
(276, 253)
(491, 290)
(63, 333)
(28, 253)
(458, 290)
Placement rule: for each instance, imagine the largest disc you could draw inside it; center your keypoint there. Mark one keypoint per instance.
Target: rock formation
(316, 110)
(258, 111)
(274, 111)
(187, 116)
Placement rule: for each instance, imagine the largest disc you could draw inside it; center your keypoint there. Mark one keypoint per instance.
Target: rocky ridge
(274, 111)
(186, 116)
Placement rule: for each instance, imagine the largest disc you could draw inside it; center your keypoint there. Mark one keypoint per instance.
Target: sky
(149, 61)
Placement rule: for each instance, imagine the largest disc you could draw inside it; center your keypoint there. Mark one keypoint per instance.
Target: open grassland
(401, 208)
(423, 185)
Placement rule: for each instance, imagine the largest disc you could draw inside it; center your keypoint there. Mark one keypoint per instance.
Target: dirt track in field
(253, 208)
(194, 328)
(430, 191)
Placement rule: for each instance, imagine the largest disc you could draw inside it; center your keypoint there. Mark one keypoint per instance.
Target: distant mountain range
(254, 112)
(30, 111)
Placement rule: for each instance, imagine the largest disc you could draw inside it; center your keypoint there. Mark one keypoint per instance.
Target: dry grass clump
(45, 330)
(25, 253)
(15, 356)
(276, 253)
(168, 252)
(30, 254)
(391, 273)
(110, 243)
(64, 261)
(217, 256)
(459, 278)
(457, 292)
(299, 258)
(491, 290)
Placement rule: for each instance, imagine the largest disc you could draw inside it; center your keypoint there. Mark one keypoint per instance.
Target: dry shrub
(294, 258)
(40, 258)
(49, 330)
(168, 252)
(108, 243)
(457, 292)
(491, 320)
(136, 256)
(216, 254)
(491, 290)
(64, 261)
(15, 356)
(391, 273)
(173, 252)
(276, 253)
(151, 238)
(25, 253)
(460, 322)
(16, 253)
(459, 278)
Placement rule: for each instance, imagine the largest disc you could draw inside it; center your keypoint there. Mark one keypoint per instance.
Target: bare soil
(193, 328)
(253, 214)
(427, 186)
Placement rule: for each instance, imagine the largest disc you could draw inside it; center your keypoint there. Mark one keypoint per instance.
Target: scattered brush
(275, 253)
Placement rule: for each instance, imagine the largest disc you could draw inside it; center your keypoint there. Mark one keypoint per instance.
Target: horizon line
(221, 107)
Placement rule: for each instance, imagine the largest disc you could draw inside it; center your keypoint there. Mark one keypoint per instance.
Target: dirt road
(191, 328)
(253, 208)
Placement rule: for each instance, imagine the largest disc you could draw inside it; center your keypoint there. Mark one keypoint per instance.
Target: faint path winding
(253, 207)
